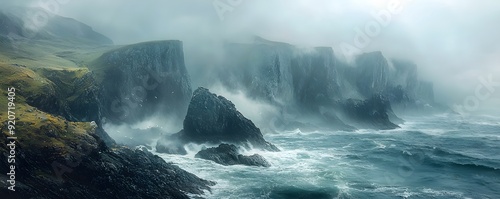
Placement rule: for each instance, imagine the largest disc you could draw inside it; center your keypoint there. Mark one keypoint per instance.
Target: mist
(454, 43)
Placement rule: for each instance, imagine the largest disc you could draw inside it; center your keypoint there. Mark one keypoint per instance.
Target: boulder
(227, 154)
(214, 119)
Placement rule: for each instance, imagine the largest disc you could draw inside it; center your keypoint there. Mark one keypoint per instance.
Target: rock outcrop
(374, 113)
(143, 79)
(214, 119)
(98, 172)
(227, 154)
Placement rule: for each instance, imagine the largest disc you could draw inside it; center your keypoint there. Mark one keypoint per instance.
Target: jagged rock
(214, 119)
(375, 112)
(143, 79)
(80, 165)
(227, 154)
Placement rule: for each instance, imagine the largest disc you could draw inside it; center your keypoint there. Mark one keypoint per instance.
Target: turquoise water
(442, 156)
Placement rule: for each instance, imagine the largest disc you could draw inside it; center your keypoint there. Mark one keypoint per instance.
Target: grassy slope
(29, 66)
(50, 137)
(47, 53)
(29, 120)
(46, 138)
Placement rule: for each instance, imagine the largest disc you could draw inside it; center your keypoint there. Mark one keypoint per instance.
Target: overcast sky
(454, 42)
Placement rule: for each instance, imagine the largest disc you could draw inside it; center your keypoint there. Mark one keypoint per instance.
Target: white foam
(379, 145)
(442, 193)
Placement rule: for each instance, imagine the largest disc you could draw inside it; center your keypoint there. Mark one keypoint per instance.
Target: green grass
(36, 129)
(48, 68)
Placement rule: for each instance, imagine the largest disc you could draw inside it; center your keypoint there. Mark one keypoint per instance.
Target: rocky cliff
(213, 119)
(373, 73)
(279, 72)
(143, 79)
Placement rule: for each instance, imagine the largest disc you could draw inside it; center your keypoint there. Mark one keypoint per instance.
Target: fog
(455, 43)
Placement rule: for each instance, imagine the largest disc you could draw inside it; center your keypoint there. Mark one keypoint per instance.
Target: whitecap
(442, 193)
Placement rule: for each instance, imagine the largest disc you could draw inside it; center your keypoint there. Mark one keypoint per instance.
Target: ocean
(439, 156)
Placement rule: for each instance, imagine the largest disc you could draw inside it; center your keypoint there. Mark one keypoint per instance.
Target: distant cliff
(143, 79)
(310, 79)
(282, 73)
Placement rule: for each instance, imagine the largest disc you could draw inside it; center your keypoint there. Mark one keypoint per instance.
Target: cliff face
(316, 79)
(69, 159)
(264, 70)
(372, 73)
(310, 79)
(280, 72)
(140, 80)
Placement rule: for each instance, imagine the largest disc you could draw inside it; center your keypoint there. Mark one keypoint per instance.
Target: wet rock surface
(227, 154)
(214, 119)
(374, 113)
(99, 172)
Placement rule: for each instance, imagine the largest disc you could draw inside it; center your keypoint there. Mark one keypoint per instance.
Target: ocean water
(441, 156)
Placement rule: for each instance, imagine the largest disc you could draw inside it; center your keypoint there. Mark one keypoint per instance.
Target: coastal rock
(214, 119)
(141, 80)
(374, 113)
(79, 165)
(227, 154)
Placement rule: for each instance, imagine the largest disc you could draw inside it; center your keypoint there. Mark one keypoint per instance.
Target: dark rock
(143, 79)
(93, 170)
(371, 113)
(227, 154)
(214, 119)
(300, 193)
